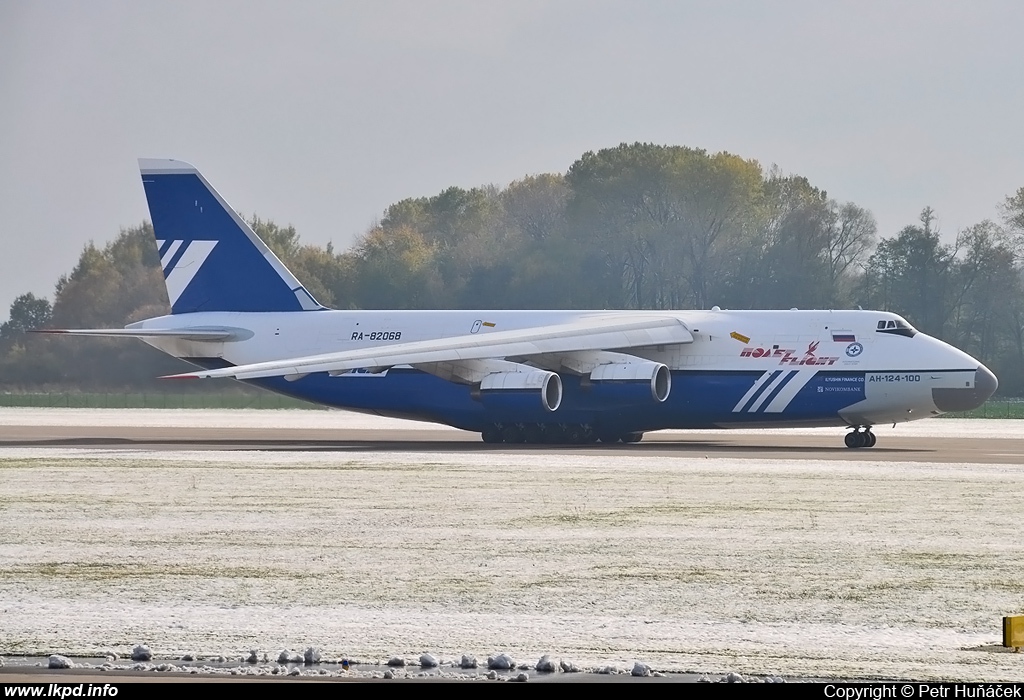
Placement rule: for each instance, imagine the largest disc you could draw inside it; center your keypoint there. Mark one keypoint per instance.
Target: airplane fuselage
(742, 369)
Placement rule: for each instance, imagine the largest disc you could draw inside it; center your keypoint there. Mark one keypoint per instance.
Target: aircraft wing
(208, 334)
(600, 333)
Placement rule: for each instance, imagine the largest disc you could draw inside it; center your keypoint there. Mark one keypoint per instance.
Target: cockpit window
(898, 327)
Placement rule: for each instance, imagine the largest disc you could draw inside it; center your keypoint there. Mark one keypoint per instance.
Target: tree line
(639, 226)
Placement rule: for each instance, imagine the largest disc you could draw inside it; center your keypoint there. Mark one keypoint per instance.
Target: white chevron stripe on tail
(188, 265)
(169, 255)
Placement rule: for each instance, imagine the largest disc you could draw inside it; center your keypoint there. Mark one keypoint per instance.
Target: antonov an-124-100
(559, 377)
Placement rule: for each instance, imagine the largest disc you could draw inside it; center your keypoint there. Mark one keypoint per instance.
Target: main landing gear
(552, 434)
(860, 437)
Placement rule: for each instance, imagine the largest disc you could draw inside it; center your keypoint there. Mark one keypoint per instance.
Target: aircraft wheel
(632, 437)
(855, 439)
(871, 439)
(491, 434)
(554, 434)
(575, 434)
(512, 434)
(533, 433)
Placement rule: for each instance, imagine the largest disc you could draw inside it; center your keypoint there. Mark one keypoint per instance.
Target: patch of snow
(396, 661)
(141, 652)
(311, 656)
(428, 661)
(468, 661)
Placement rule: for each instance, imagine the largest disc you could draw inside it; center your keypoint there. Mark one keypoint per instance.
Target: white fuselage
(892, 376)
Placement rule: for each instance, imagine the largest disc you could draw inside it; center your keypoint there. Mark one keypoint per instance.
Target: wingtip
(186, 375)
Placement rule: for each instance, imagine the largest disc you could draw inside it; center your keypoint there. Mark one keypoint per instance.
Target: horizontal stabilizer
(208, 334)
(586, 334)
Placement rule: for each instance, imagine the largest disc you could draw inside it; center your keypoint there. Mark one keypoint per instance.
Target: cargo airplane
(530, 376)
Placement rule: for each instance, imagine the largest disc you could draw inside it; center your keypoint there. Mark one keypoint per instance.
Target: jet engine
(520, 391)
(630, 382)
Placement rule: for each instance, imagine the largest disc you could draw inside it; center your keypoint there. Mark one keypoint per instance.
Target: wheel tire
(872, 439)
(512, 434)
(533, 433)
(554, 434)
(855, 439)
(575, 434)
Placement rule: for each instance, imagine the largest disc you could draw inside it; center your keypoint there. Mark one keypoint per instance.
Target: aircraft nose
(985, 384)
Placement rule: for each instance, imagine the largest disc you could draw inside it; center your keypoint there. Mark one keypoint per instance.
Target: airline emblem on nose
(854, 349)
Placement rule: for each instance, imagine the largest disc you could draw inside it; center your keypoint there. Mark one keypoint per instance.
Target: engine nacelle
(630, 382)
(520, 391)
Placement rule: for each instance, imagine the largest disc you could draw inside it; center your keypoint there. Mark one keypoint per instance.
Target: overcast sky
(321, 114)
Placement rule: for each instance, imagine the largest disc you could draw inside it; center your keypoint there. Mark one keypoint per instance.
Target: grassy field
(804, 568)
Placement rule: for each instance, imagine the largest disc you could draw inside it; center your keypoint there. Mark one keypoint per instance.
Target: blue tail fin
(212, 259)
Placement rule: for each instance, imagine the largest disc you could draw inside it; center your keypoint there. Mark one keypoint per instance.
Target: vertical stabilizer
(212, 259)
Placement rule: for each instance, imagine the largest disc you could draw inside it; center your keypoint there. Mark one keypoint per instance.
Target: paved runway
(774, 444)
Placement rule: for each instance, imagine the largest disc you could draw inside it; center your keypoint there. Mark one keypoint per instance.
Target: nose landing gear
(860, 438)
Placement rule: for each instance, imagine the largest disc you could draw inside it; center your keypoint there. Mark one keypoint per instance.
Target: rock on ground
(546, 665)
(501, 662)
(58, 661)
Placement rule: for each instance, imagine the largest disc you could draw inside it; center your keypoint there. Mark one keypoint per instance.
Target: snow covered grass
(798, 568)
